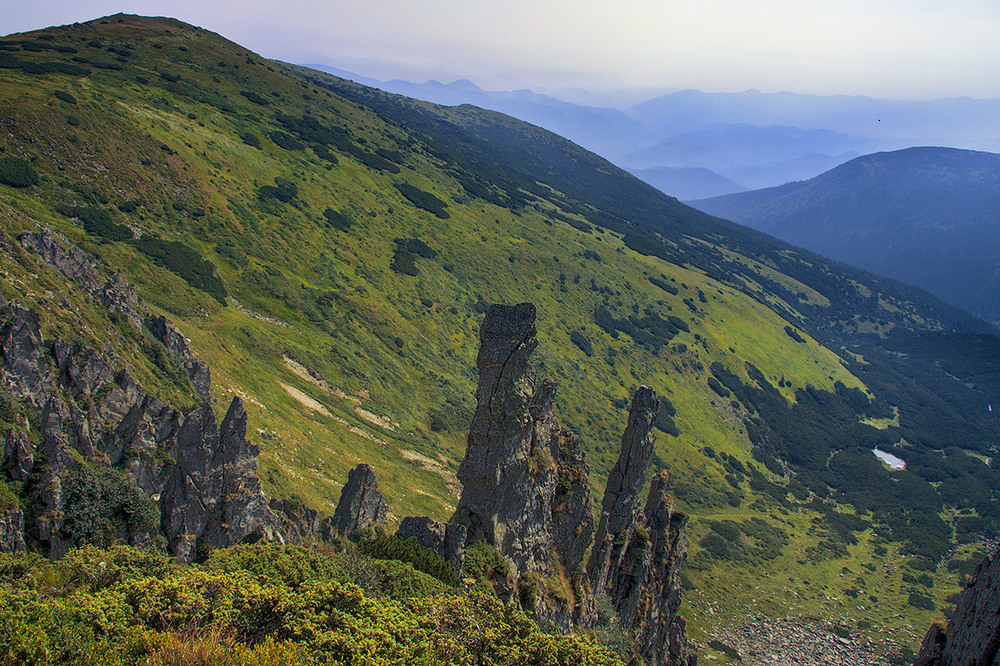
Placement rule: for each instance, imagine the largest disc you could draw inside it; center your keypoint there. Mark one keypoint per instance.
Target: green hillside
(329, 250)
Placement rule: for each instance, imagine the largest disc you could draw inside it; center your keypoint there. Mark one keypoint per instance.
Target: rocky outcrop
(212, 498)
(445, 539)
(973, 634)
(12, 530)
(19, 456)
(526, 490)
(300, 523)
(114, 293)
(521, 476)
(23, 368)
(361, 504)
(91, 413)
(176, 344)
(620, 506)
(637, 555)
(507, 481)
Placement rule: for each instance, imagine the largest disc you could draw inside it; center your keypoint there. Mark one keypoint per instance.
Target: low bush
(16, 172)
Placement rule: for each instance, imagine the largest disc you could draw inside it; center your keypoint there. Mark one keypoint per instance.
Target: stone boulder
(445, 539)
(361, 504)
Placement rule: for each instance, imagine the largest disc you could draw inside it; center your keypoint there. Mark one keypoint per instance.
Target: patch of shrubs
(380, 546)
(16, 172)
(423, 200)
(579, 339)
(721, 390)
(64, 96)
(665, 418)
(283, 190)
(250, 139)
(337, 219)
(255, 98)
(286, 141)
(97, 221)
(184, 262)
(8, 61)
(794, 335)
(102, 506)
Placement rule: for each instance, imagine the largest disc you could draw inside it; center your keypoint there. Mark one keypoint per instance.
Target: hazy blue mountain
(688, 182)
(756, 156)
(961, 122)
(927, 216)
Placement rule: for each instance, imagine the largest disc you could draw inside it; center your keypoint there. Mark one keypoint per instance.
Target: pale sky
(892, 49)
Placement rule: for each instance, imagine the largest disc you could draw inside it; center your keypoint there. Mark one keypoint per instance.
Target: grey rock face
(973, 634)
(361, 504)
(637, 556)
(19, 457)
(168, 334)
(12, 531)
(114, 293)
(509, 474)
(572, 506)
(23, 369)
(445, 539)
(620, 506)
(213, 497)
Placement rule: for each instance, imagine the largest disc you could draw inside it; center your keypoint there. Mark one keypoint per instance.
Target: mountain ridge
(922, 215)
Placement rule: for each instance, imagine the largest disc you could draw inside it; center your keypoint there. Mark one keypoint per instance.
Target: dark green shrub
(286, 141)
(337, 219)
(166, 76)
(102, 506)
(129, 206)
(721, 390)
(98, 222)
(583, 342)
(382, 547)
(250, 139)
(715, 545)
(423, 200)
(15, 172)
(921, 600)
(404, 262)
(283, 190)
(255, 98)
(794, 335)
(64, 96)
(186, 263)
(324, 153)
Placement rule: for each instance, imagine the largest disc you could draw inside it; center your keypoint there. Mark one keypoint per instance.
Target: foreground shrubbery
(260, 604)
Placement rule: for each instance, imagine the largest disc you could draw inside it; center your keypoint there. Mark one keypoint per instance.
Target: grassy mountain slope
(927, 216)
(329, 250)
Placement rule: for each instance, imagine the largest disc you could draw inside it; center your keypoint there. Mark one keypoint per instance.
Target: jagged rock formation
(972, 637)
(515, 452)
(213, 498)
(361, 504)
(113, 293)
(197, 371)
(620, 506)
(526, 491)
(204, 477)
(445, 539)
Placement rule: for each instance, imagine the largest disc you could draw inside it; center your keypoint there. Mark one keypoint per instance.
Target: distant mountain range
(927, 216)
(728, 142)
